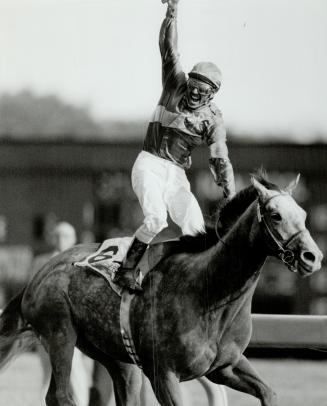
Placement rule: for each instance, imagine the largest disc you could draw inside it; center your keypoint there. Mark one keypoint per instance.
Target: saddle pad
(107, 259)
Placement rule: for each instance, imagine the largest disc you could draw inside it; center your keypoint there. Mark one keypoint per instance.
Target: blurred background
(79, 81)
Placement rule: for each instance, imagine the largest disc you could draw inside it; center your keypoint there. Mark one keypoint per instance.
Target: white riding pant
(161, 187)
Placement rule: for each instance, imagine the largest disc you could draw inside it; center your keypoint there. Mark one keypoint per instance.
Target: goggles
(202, 88)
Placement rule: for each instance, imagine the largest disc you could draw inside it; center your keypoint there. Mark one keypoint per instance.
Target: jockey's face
(198, 93)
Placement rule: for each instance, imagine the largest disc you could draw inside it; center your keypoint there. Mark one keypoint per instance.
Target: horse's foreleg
(51, 399)
(102, 387)
(165, 385)
(244, 378)
(127, 381)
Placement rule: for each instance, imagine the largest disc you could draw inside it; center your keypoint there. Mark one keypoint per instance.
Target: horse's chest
(194, 353)
(196, 362)
(231, 345)
(221, 342)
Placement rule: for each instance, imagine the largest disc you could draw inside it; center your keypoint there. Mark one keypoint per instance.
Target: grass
(298, 383)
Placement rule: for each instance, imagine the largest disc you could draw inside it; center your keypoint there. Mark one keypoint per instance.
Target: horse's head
(286, 235)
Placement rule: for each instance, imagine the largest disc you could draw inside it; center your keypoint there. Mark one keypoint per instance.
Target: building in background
(88, 185)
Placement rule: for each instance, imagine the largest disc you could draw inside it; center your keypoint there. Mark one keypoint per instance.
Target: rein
(284, 252)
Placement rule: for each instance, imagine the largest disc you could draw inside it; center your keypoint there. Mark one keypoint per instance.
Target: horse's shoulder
(161, 250)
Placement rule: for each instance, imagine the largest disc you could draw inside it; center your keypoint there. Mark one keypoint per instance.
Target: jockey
(185, 117)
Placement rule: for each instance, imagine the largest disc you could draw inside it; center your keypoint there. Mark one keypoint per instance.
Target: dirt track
(298, 383)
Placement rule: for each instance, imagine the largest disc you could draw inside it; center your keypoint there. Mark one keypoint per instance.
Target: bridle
(284, 252)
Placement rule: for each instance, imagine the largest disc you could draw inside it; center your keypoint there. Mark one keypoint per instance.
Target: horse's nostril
(309, 256)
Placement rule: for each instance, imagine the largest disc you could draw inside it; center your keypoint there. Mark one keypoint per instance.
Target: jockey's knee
(155, 224)
(151, 226)
(192, 222)
(193, 228)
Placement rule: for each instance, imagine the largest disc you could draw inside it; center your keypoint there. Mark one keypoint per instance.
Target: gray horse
(194, 317)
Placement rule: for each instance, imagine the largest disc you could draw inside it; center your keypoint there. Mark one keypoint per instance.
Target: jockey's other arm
(185, 118)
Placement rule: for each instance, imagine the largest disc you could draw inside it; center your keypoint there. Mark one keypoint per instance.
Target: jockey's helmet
(207, 72)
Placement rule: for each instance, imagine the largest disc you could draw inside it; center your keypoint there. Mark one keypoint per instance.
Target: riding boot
(94, 397)
(125, 276)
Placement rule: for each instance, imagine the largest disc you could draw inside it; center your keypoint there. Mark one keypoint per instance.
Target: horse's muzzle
(309, 262)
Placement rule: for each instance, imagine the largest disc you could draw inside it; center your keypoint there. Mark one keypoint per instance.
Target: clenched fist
(171, 3)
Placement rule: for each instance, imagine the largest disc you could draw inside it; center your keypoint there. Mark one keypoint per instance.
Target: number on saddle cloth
(108, 257)
(105, 255)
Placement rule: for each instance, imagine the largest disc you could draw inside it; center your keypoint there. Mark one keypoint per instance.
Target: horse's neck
(233, 266)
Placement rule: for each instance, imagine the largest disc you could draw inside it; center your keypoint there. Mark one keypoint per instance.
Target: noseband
(284, 252)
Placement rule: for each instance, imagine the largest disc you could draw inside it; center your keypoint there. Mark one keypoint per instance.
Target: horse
(193, 318)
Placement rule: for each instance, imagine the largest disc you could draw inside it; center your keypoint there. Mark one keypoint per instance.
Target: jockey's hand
(222, 202)
(171, 3)
(226, 200)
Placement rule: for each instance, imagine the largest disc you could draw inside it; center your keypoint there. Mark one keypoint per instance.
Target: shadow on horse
(194, 317)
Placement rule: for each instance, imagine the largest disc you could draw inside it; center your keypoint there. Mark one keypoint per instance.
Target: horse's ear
(289, 189)
(261, 190)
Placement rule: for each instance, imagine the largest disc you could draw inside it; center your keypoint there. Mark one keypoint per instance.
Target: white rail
(284, 331)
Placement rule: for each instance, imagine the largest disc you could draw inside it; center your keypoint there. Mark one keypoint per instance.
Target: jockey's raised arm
(172, 76)
(184, 118)
(168, 38)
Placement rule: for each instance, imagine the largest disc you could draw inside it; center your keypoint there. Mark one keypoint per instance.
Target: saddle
(110, 254)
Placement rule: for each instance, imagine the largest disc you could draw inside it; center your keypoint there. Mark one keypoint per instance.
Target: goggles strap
(204, 79)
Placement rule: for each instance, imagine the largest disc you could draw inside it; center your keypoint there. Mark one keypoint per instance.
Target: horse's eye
(276, 216)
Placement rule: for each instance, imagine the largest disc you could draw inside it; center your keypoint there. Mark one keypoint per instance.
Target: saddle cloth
(107, 259)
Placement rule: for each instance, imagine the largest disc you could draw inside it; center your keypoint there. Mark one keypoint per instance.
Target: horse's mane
(226, 216)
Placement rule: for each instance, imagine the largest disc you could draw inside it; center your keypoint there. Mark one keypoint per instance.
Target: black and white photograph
(163, 202)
